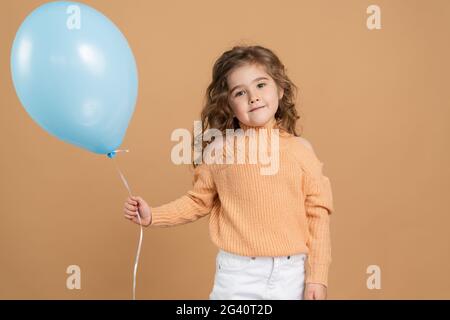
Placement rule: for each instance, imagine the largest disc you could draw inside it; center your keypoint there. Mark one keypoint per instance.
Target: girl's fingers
(131, 210)
(136, 199)
(130, 207)
(131, 217)
(134, 219)
(131, 201)
(130, 213)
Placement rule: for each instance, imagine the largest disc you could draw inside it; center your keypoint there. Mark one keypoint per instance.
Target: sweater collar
(271, 124)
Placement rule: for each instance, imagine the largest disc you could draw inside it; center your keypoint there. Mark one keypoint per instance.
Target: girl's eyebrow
(240, 85)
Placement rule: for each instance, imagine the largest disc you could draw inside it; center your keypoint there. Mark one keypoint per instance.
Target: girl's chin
(260, 120)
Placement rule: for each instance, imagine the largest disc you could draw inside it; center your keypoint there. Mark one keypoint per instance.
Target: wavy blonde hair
(218, 114)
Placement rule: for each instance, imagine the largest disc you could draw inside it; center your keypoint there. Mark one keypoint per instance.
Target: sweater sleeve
(195, 204)
(318, 207)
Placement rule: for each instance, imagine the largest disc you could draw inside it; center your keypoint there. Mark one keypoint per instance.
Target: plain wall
(374, 105)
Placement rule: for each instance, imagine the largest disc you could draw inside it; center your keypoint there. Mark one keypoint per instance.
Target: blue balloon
(75, 75)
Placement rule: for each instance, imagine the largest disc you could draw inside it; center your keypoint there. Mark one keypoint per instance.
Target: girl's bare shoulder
(304, 152)
(305, 143)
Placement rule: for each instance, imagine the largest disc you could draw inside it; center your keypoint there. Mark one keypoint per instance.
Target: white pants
(258, 278)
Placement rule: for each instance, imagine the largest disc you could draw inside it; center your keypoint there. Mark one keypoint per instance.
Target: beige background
(375, 106)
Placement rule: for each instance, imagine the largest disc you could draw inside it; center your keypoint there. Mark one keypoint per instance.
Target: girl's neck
(271, 124)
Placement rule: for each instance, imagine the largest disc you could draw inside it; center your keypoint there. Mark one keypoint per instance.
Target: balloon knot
(111, 154)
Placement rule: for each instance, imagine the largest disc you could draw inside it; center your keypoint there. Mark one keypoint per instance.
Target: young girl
(272, 230)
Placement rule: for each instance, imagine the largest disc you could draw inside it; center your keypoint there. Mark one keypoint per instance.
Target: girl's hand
(315, 291)
(135, 205)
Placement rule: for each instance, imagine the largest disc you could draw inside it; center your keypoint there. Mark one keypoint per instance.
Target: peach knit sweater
(252, 214)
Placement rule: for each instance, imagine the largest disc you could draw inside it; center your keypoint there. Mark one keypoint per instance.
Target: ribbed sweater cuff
(159, 217)
(317, 273)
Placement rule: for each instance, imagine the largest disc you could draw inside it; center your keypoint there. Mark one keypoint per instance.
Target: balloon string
(136, 261)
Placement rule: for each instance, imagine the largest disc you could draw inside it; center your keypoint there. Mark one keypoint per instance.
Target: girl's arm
(197, 203)
(318, 206)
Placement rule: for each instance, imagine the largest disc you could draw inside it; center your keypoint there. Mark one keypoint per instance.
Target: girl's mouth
(254, 109)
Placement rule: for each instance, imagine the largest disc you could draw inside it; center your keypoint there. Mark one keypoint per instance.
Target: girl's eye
(262, 84)
(238, 93)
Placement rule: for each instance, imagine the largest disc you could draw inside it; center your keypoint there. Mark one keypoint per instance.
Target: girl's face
(253, 95)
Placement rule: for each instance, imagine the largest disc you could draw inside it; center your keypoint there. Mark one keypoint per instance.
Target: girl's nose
(253, 100)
